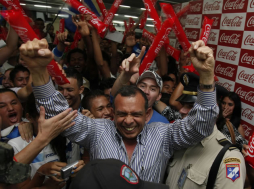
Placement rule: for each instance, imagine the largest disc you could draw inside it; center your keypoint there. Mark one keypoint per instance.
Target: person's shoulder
(158, 117)
(18, 142)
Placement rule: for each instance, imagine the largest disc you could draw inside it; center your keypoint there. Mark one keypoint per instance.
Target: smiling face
(151, 89)
(77, 61)
(130, 115)
(21, 79)
(6, 80)
(10, 109)
(101, 108)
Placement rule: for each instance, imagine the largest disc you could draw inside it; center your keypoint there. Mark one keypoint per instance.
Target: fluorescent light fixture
(130, 16)
(125, 6)
(117, 21)
(149, 19)
(142, 8)
(149, 25)
(116, 14)
(22, 4)
(43, 6)
(63, 15)
(64, 8)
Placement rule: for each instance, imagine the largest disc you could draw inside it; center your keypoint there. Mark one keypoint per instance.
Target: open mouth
(129, 128)
(13, 117)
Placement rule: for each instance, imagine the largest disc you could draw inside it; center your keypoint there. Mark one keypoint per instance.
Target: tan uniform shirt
(197, 161)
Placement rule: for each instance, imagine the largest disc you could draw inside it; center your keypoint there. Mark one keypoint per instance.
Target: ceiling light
(125, 6)
(43, 6)
(130, 16)
(116, 14)
(149, 25)
(142, 8)
(149, 19)
(117, 21)
(63, 15)
(22, 4)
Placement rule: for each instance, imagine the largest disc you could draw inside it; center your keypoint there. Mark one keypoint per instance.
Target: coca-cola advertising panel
(213, 37)
(248, 129)
(216, 20)
(214, 48)
(233, 21)
(196, 7)
(247, 59)
(250, 6)
(249, 24)
(234, 6)
(245, 93)
(177, 7)
(193, 21)
(225, 70)
(245, 76)
(182, 20)
(248, 40)
(212, 6)
(230, 38)
(247, 113)
(227, 84)
(192, 34)
(228, 54)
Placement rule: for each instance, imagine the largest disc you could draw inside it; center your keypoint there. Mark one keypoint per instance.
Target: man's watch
(202, 86)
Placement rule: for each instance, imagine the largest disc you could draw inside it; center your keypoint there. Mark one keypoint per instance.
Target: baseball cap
(110, 174)
(11, 172)
(152, 75)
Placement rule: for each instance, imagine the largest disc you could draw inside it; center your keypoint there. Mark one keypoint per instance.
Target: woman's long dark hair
(58, 144)
(236, 115)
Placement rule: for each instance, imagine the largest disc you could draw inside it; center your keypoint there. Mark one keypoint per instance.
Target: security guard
(190, 168)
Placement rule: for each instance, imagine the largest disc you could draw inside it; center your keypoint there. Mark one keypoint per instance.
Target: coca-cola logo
(250, 151)
(252, 4)
(117, 3)
(230, 39)
(161, 43)
(247, 59)
(247, 113)
(246, 77)
(109, 18)
(213, 6)
(226, 85)
(193, 21)
(170, 51)
(228, 71)
(215, 21)
(249, 40)
(196, 7)
(83, 9)
(212, 36)
(247, 130)
(191, 34)
(148, 36)
(231, 55)
(250, 22)
(177, 9)
(234, 22)
(234, 4)
(246, 95)
(105, 12)
(22, 32)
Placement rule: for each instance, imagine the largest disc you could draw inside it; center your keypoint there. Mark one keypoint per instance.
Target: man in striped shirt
(146, 148)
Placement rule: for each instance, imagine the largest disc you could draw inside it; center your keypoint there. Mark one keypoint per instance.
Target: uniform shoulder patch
(228, 160)
(129, 175)
(233, 171)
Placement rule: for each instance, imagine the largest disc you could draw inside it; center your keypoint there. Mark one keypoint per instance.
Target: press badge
(182, 179)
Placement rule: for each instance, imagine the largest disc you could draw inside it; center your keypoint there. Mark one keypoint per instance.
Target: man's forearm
(40, 77)
(121, 81)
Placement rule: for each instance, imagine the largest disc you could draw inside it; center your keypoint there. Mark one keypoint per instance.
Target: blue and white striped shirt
(155, 144)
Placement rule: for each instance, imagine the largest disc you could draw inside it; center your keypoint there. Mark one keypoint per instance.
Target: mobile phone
(66, 171)
(69, 38)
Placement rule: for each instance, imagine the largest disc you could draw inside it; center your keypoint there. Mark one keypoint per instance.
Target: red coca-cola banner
(26, 33)
(245, 93)
(225, 70)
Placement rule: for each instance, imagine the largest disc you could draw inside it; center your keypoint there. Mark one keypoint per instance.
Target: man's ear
(159, 97)
(81, 89)
(148, 113)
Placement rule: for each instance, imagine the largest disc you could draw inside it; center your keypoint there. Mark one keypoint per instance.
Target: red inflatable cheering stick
(250, 158)
(155, 47)
(26, 33)
(143, 20)
(206, 29)
(95, 21)
(177, 28)
(153, 13)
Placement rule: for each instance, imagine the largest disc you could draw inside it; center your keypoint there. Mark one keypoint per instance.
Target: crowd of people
(166, 126)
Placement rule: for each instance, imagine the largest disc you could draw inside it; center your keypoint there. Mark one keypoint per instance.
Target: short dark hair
(107, 83)
(76, 50)
(167, 78)
(86, 101)
(130, 91)
(18, 68)
(5, 90)
(73, 73)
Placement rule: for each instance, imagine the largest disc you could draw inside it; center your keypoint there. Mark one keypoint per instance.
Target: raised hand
(130, 39)
(87, 113)
(62, 37)
(131, 65)
(226, 112)
(36, 54)
(82, 25)
(203, 60)
(26, 131)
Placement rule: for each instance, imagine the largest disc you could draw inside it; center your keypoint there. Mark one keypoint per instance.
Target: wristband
(202, 86)
(57, 52)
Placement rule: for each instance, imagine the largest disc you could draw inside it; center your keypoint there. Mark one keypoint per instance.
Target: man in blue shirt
(146, 148)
